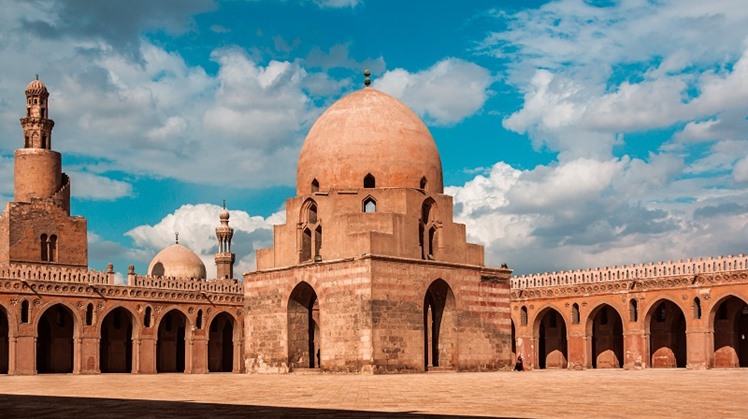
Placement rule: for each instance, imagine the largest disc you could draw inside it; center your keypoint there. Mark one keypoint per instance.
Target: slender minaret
(224, 257)
(38, 169)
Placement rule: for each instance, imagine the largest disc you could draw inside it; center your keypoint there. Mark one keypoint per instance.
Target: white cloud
(584, 213)
(446, 93)
(740, 173)
(336, 4)
(196, 226)
(90, 186)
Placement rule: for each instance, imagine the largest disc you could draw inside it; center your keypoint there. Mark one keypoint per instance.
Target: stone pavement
(591, 393)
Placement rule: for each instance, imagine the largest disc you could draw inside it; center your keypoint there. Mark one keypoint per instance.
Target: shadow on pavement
(15, 406)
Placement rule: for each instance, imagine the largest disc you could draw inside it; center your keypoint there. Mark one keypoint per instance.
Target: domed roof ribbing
(369, 132)
(36, 87)
(177, 261)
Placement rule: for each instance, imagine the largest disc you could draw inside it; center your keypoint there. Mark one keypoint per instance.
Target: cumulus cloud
(196, 227)
(90, 186)
(584, 213)
(446, 93)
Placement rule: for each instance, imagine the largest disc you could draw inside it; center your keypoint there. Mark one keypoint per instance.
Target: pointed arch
(369, 181)
(369, 204)
(666, 324)
(549, 331)
(304, 340)
(221, 343)
(604, 328)
(439, 326)
(116, 338)
(55, 344)
(315, 185)
(170, 346)
(427, 230)
(729, 322)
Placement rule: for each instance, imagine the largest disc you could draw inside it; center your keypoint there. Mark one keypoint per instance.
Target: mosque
(369, 274)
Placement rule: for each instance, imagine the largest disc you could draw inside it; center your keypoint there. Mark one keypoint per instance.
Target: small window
(306, 245)
(44, 248)
(575, 313)
(158, 269)
(424, 182)
(369, 181)
(523, 316)
(89, 315)
(147, 317)
(53, 248)
(315, 185)
(696, 308)
(199, 321)
(633, 311)
(25, 311)
(370, 205)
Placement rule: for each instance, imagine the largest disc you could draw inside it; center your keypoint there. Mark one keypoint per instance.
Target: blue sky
(572, 133)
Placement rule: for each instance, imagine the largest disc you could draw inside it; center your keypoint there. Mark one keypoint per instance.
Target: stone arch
(117, 330)
(513, 343)
(5, 335)
(666, 323)
(549, 330)
(304, 339)
(171, 342)
(728, 320)
(311, 231)
(439, 326)
(604, 328)
(221, 338)
(57, 327)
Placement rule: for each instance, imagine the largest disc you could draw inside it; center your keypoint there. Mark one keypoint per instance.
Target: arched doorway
(605, 328)
(221, 344)
(730, 323)
(439, 326)
(550, 333)
(303, 327)
(170, 352)
(115, 346)
(4, 338)
(54, 342)
(667, 335)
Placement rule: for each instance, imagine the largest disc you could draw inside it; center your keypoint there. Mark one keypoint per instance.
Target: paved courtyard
(592, 393)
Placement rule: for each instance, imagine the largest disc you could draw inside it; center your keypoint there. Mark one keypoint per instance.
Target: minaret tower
(224, 257)
(38, 169)
(36, 227)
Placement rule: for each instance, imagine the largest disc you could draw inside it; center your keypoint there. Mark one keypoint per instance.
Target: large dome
(369, 132)
(177, 261)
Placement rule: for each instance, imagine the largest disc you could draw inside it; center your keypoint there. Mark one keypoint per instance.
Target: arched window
(44, 248)
(311, 233)
(53, 248)
(369, 181)
(306, 245)
(199, 320)
(370, 205)
(633, 311)
(427, 230)
(25, 311)
(696, 307)
(315, 185)
(147, 317)
(89, 314)
(424, 182)
(575, 313)
(523, 316)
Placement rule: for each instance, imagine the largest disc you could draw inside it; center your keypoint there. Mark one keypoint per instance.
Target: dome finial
(37, 76)
(224, 204)
(367, 80)
(177, 237)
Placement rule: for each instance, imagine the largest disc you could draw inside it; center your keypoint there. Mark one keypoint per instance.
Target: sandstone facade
(369, 274)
